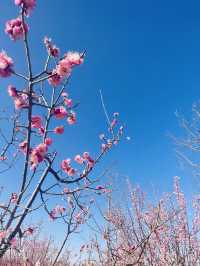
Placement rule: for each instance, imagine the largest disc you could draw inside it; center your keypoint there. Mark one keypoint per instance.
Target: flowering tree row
(145, 233)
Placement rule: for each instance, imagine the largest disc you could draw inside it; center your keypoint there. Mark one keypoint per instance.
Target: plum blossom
(14, 197)
(87, 157)
(63, 69)
(23, 146)
(55, 79)
(48, 141)
(6, 64)
(74, 58)
(66, 167)
(68, 102)
(59, 130)
(60, 209)
(71, 119)
(71, 59)
(41, 130)
(52, 49)
(52, 214)
(21, 101)
(79, 159)
(38, 154)
(28, 5)
(36, 121)
(15, 28)
(12, 91)
(60, 112)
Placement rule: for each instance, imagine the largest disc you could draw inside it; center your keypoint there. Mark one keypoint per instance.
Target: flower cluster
(28, 5)
(20, 98)
(60, 112)
(6, 64)
(16, 29)
(66, 167)
(38, 154)
(51, 48)
(64, 67)
(85, 159)
(58, 210)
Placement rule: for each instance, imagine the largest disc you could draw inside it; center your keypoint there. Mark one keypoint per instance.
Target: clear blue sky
(144, 55)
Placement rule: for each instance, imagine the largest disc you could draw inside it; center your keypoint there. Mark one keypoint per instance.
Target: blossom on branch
(16, 29)
(36, 121)
(60, 112)
(55, 79)
(66, 167)
(59, 130)
(28, 5)
(38, 154)
(51, 48)
(6, 64)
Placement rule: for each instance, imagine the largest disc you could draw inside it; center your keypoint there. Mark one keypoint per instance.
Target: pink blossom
(36, 121)
(64, 68)
(28, 5)
(48, 141)
(66, 167)
(71, 118)
(65, 164)
(21, 101)
(14, 197)
(38, 154)
(12, 91)
(41, 130)
(29, 231)
(71, 171)
(59, 130)
(23, 146)
(104, 147)
(87, 157)
(79, 159)
(6, 64)
(74, 58)
(52, 214)
(15, 28)
(52, 49)
(60, 209)
(79, 217)
(55, 79)
(60, 112)
(68, 102)
(71, 59)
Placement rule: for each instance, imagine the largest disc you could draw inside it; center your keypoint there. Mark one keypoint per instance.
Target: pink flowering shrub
(34, 125)
(145, 233)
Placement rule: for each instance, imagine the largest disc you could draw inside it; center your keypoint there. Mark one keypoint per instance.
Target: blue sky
(144, 55)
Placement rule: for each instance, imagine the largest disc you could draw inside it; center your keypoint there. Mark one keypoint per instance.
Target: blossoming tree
(32, 139)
